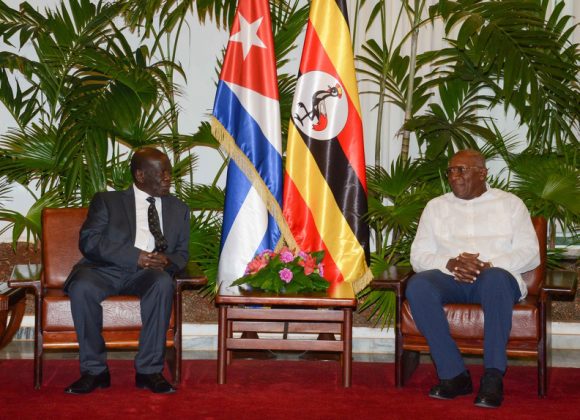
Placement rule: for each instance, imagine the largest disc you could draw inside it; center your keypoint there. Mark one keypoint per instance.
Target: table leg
(222, 336)
(38, 342)
(347, 353)
(229, 334)
(399, 374)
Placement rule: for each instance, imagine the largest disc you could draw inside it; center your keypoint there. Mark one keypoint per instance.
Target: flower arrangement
(285, 272)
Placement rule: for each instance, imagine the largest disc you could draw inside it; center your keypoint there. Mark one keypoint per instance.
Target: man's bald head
(467, 173)
(151, 171)
(143, 156)
(474, 156)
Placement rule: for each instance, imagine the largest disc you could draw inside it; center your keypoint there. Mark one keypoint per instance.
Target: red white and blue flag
(247, 123)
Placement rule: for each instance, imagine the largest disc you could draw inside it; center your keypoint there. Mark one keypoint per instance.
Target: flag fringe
(362, 281)
(246, 166)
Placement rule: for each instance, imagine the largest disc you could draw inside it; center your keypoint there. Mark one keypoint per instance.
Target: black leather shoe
(447, 389)
(154, 382)
(490, 393)
(88, 383)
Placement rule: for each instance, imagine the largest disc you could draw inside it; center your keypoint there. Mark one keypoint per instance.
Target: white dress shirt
(143, 238)
(496, 225)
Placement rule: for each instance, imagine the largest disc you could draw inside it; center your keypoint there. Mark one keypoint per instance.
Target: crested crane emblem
(320, 108)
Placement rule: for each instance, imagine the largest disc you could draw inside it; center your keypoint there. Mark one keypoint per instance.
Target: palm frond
(29, 223)
(455, 122)
(204, 246)
(5, 190)
(533, 57)
(203, 197)
(549, 185)
(380, 305)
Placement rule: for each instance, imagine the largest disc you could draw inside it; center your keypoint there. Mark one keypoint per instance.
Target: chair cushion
(120, 313)
(466, 321)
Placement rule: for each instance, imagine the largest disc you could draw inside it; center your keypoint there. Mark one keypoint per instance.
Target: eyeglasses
(460, 170)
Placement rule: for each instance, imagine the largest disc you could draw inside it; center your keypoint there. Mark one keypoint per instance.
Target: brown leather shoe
(88, 383)
(154, 382)
(448, 389)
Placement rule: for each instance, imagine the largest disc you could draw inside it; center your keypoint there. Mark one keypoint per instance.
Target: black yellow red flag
(325, 192)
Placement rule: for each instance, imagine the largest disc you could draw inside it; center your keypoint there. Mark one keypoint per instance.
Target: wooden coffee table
(260, 312)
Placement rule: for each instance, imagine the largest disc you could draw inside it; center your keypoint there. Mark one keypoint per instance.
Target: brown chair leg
(542, 375)
(38, 351)
(177, 308)
(171, 359)
(38, 356)
(544, 347)
(410, 363)
(178, 364)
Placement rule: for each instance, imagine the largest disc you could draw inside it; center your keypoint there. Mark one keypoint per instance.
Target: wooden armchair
(54, 328)
(530, 335)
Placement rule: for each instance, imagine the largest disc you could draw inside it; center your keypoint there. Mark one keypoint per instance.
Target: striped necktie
(155, 227)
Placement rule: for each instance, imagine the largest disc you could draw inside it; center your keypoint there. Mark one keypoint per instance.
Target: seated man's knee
(498, 280)
(82, 286)
(496, 276)
(417, 286)
(164, 283)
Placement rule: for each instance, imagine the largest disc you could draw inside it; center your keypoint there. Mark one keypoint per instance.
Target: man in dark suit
(133, 242)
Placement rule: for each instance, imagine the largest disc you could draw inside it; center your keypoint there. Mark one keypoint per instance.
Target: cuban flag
(246, 121)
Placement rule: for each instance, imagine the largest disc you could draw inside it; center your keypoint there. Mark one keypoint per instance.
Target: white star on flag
(248, 35)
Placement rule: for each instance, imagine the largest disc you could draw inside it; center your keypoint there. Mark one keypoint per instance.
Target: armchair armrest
(191, 275)
(394, 278)
(560, 283)
(26, 276)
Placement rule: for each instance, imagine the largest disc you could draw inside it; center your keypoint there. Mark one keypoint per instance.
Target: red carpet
(276, 390)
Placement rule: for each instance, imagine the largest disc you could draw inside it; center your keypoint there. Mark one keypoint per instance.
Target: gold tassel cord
(361, 282)
(246, 166)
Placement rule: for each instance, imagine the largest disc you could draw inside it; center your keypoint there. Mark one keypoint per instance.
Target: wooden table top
(337, 296)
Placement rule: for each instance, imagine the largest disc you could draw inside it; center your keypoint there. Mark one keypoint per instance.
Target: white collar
(141, 195)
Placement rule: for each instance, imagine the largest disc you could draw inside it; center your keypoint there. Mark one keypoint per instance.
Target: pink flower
(321, 269)
(302, 254)
(257, 264)
(267, 253)
(309, 264)
(286, 275)
(286, 255)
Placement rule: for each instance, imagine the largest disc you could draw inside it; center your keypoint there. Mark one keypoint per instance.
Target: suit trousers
(495, 289)
(89, 286)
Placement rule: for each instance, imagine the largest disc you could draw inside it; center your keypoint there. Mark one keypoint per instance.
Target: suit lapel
(166, 216)
(129, 206)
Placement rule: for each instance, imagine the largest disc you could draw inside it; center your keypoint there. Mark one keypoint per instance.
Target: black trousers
(90, 286)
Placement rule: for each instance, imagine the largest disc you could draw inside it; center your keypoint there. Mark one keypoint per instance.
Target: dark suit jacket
(107, 237)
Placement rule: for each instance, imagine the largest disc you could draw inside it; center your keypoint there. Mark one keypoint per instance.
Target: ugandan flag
(325, 192)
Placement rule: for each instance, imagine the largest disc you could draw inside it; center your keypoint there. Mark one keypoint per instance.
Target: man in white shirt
(471, 247)
(132, 242)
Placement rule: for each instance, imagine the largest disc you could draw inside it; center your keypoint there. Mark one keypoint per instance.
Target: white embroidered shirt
(496, 225)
